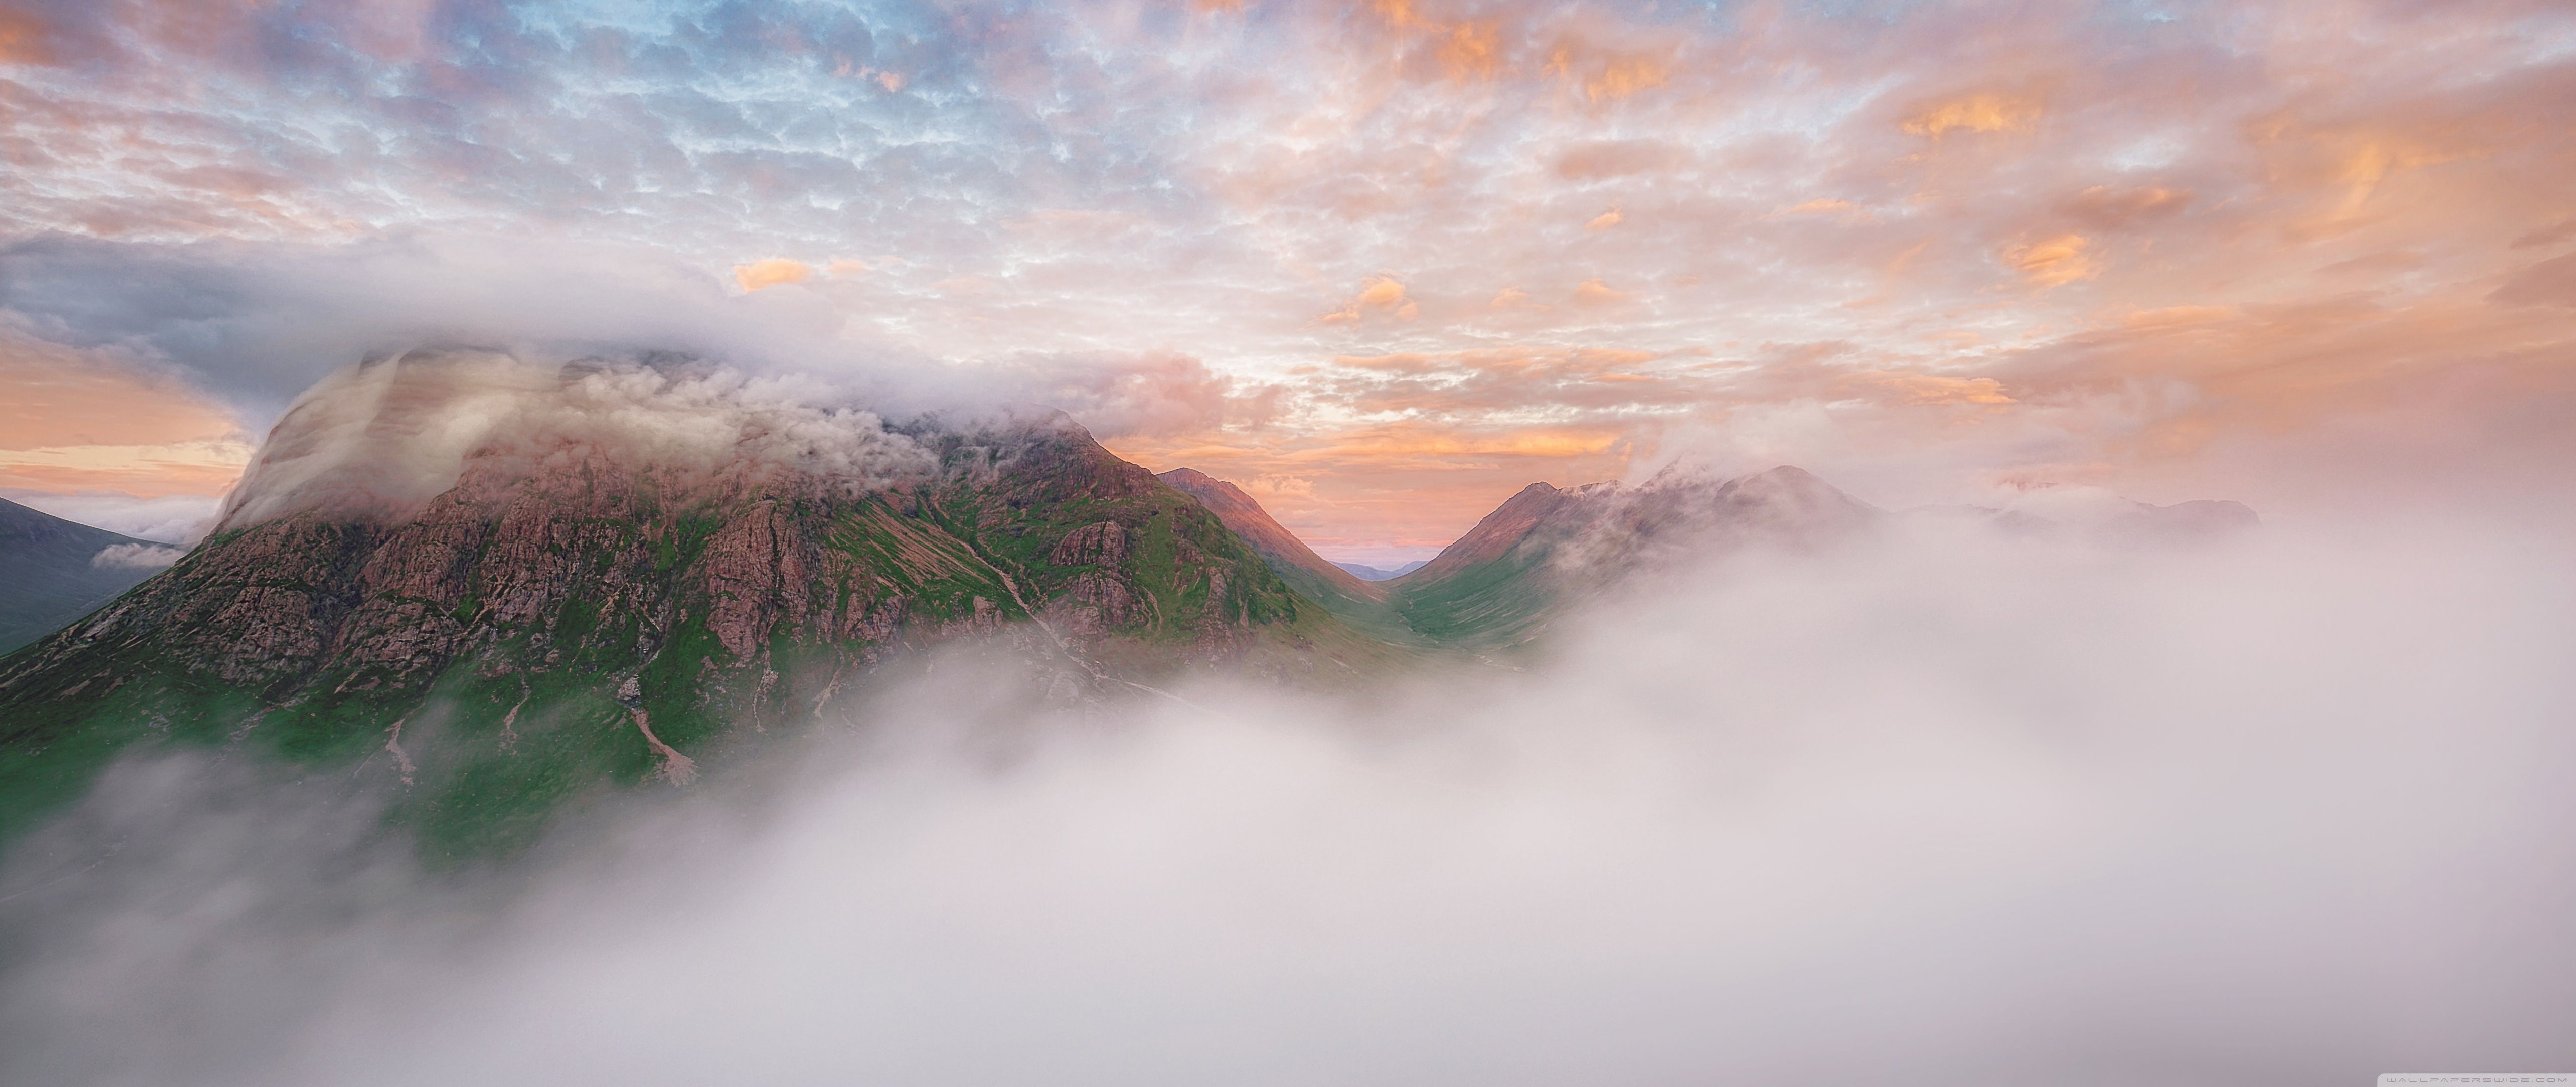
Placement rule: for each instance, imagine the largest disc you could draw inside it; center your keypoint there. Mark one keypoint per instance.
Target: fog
(384, 438)
(1941, 808)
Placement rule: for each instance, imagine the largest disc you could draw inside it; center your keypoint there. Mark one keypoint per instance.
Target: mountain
(507, 585)
(1372, 573)
(1360, 603)
(53, 571)
(1502, 582)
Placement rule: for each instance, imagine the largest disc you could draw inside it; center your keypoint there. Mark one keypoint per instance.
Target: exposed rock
(1100, 544)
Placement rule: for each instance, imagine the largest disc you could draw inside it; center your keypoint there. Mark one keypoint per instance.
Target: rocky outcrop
(1102, 543)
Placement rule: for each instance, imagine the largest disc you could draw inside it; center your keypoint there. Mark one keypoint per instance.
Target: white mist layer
(1949, 811)
(380, 439)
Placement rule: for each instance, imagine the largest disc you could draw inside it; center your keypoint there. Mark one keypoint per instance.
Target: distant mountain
(53, 571)
(1372, 573)
(1502, 582)
(621, 575)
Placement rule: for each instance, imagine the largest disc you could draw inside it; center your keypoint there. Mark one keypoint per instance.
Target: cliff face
(574, 610)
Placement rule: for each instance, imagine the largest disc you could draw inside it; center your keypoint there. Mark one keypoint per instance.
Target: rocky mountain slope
(1362, 604)
(507, 584)
(53, 571)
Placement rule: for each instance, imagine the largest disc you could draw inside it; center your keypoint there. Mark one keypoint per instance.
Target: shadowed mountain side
(1362, 604)
(564, 609)
(54, 571)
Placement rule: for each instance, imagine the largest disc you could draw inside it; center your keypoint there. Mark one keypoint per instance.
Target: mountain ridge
(498, 586)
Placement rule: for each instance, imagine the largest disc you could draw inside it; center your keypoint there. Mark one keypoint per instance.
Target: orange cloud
(1975, 113)
(1624, 77)
(1514, 298)
(1927, 389)
(1380, 293)
(1593, 292)
(2108, 208)
(69, 422)
(1616, 76)
(2053, 262)
(1471, 50)
(2371, 159)
(1606, 220)
(1464, 50)
(23, 39)
(762, 274)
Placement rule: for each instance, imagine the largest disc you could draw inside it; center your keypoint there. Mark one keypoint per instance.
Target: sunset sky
(1382, 263)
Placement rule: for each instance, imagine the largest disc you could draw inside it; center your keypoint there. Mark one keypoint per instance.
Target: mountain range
(497, 586)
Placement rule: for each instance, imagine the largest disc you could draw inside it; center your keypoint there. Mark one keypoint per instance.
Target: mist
(1941, 808)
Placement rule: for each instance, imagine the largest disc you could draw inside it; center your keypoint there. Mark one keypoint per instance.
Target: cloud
(170, 519)
(1382, 294)
(1593, 292)
(185, 190)
(383, 438)
(136, 556)
(1616, 158)
(1975, 113)
(775, 271)
(2053, 262)
(1941, 808)
(2549, 283)
(1606, 220)
(2107, 208)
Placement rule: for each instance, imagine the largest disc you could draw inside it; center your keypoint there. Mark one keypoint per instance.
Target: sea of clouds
(1943, 808)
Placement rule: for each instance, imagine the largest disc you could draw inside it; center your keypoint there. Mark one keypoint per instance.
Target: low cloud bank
(166, 519)
(386, 437)
(1949, 809)
(136, 556)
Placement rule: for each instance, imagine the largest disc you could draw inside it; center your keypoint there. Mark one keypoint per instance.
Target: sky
(1383, 263)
